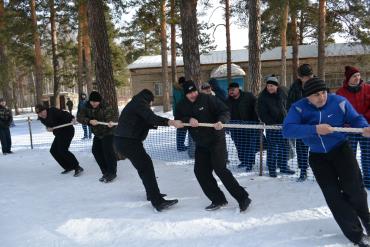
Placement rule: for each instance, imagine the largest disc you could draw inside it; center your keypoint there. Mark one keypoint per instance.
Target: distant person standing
(52, 117)
(134, 123)
(295, 93)
(242, 106)
(206, 89)
(178, 95)
(82, 105)
(102, 148)
(357, 92)
(69, 104)
(6, 118)
(271, 109)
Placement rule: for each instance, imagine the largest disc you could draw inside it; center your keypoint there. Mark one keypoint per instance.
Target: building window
(158, 89)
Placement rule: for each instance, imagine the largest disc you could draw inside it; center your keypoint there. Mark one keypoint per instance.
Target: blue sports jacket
(302, 118)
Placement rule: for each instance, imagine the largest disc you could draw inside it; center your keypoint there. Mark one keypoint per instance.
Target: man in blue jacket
(332, 161)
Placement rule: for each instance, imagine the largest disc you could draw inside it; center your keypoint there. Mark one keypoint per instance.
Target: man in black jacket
(52, 117)
(6, 118)
(271, 109)
(102, 148)
(242, 106)
(296, 93)
(210, 151)
(133, 126)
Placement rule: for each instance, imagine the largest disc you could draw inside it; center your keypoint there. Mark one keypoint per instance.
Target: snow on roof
(237, 56)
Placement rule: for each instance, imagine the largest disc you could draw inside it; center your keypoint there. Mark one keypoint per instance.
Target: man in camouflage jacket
(97, 110)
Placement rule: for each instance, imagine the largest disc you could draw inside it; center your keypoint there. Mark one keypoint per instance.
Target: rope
(62, 126)
(240, 126)
(273, 127)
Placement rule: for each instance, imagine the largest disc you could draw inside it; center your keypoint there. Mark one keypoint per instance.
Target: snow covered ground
(41, 207)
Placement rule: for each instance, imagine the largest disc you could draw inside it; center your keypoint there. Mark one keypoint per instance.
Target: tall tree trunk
(321, 40)
(15, 88)
(102, 53)
(295, 61)
(38, 58)
(284, 26)
(86, 46)
(228, 45)
(166, 86)
(80, 76)
(254, 64)
(173, 44)
(301, 28)
(190, 40)
(54, 43)
(4, 75)
(80, 52)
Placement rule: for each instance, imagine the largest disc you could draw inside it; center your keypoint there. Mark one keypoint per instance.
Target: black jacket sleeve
(149, 117)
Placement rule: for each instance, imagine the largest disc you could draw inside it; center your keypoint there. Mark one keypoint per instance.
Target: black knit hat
(39, 108)
(233, 85)
(305, 70)
(189, 86)
(95, 96)
(314, 85)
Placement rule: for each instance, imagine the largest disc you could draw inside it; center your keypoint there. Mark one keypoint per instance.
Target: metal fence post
(261, 152)
(30, 130)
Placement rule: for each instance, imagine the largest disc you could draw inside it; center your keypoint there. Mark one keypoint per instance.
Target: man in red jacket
(358, 94)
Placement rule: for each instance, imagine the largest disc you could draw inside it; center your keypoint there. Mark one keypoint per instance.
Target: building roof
(238, 56)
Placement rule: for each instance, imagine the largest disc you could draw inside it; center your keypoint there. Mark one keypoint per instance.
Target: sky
(238, 35)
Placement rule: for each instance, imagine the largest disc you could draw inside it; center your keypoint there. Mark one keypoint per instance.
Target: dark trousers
(213, 158)
(180, 139)
(59, 150)
(339, 178)
(6, 140)
(135, 152)
(302, 155)
(87, 131)
(247, 144)
(277, 151)
(103, 152)
(365, 155)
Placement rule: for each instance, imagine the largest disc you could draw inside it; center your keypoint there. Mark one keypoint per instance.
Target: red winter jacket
(360, 99)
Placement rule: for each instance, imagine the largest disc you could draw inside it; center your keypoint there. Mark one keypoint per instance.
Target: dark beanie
(189, 86)
(272, 80)
(233, 85)
(95, 96)
(314, 85)
(349, 71)
(305, 70)
(182, 80)
(39, 108)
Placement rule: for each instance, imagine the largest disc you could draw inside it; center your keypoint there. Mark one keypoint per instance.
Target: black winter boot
(165, 204)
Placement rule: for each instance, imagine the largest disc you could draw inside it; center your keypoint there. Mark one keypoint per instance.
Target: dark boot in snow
(244, 204)
(165, 204)
(215, 206)
(148, 197)
(78, 171)
(66, 171)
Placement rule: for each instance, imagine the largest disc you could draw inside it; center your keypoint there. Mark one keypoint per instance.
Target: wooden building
(146, 70)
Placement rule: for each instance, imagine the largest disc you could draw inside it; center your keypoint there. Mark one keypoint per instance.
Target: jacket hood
(145, 95)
